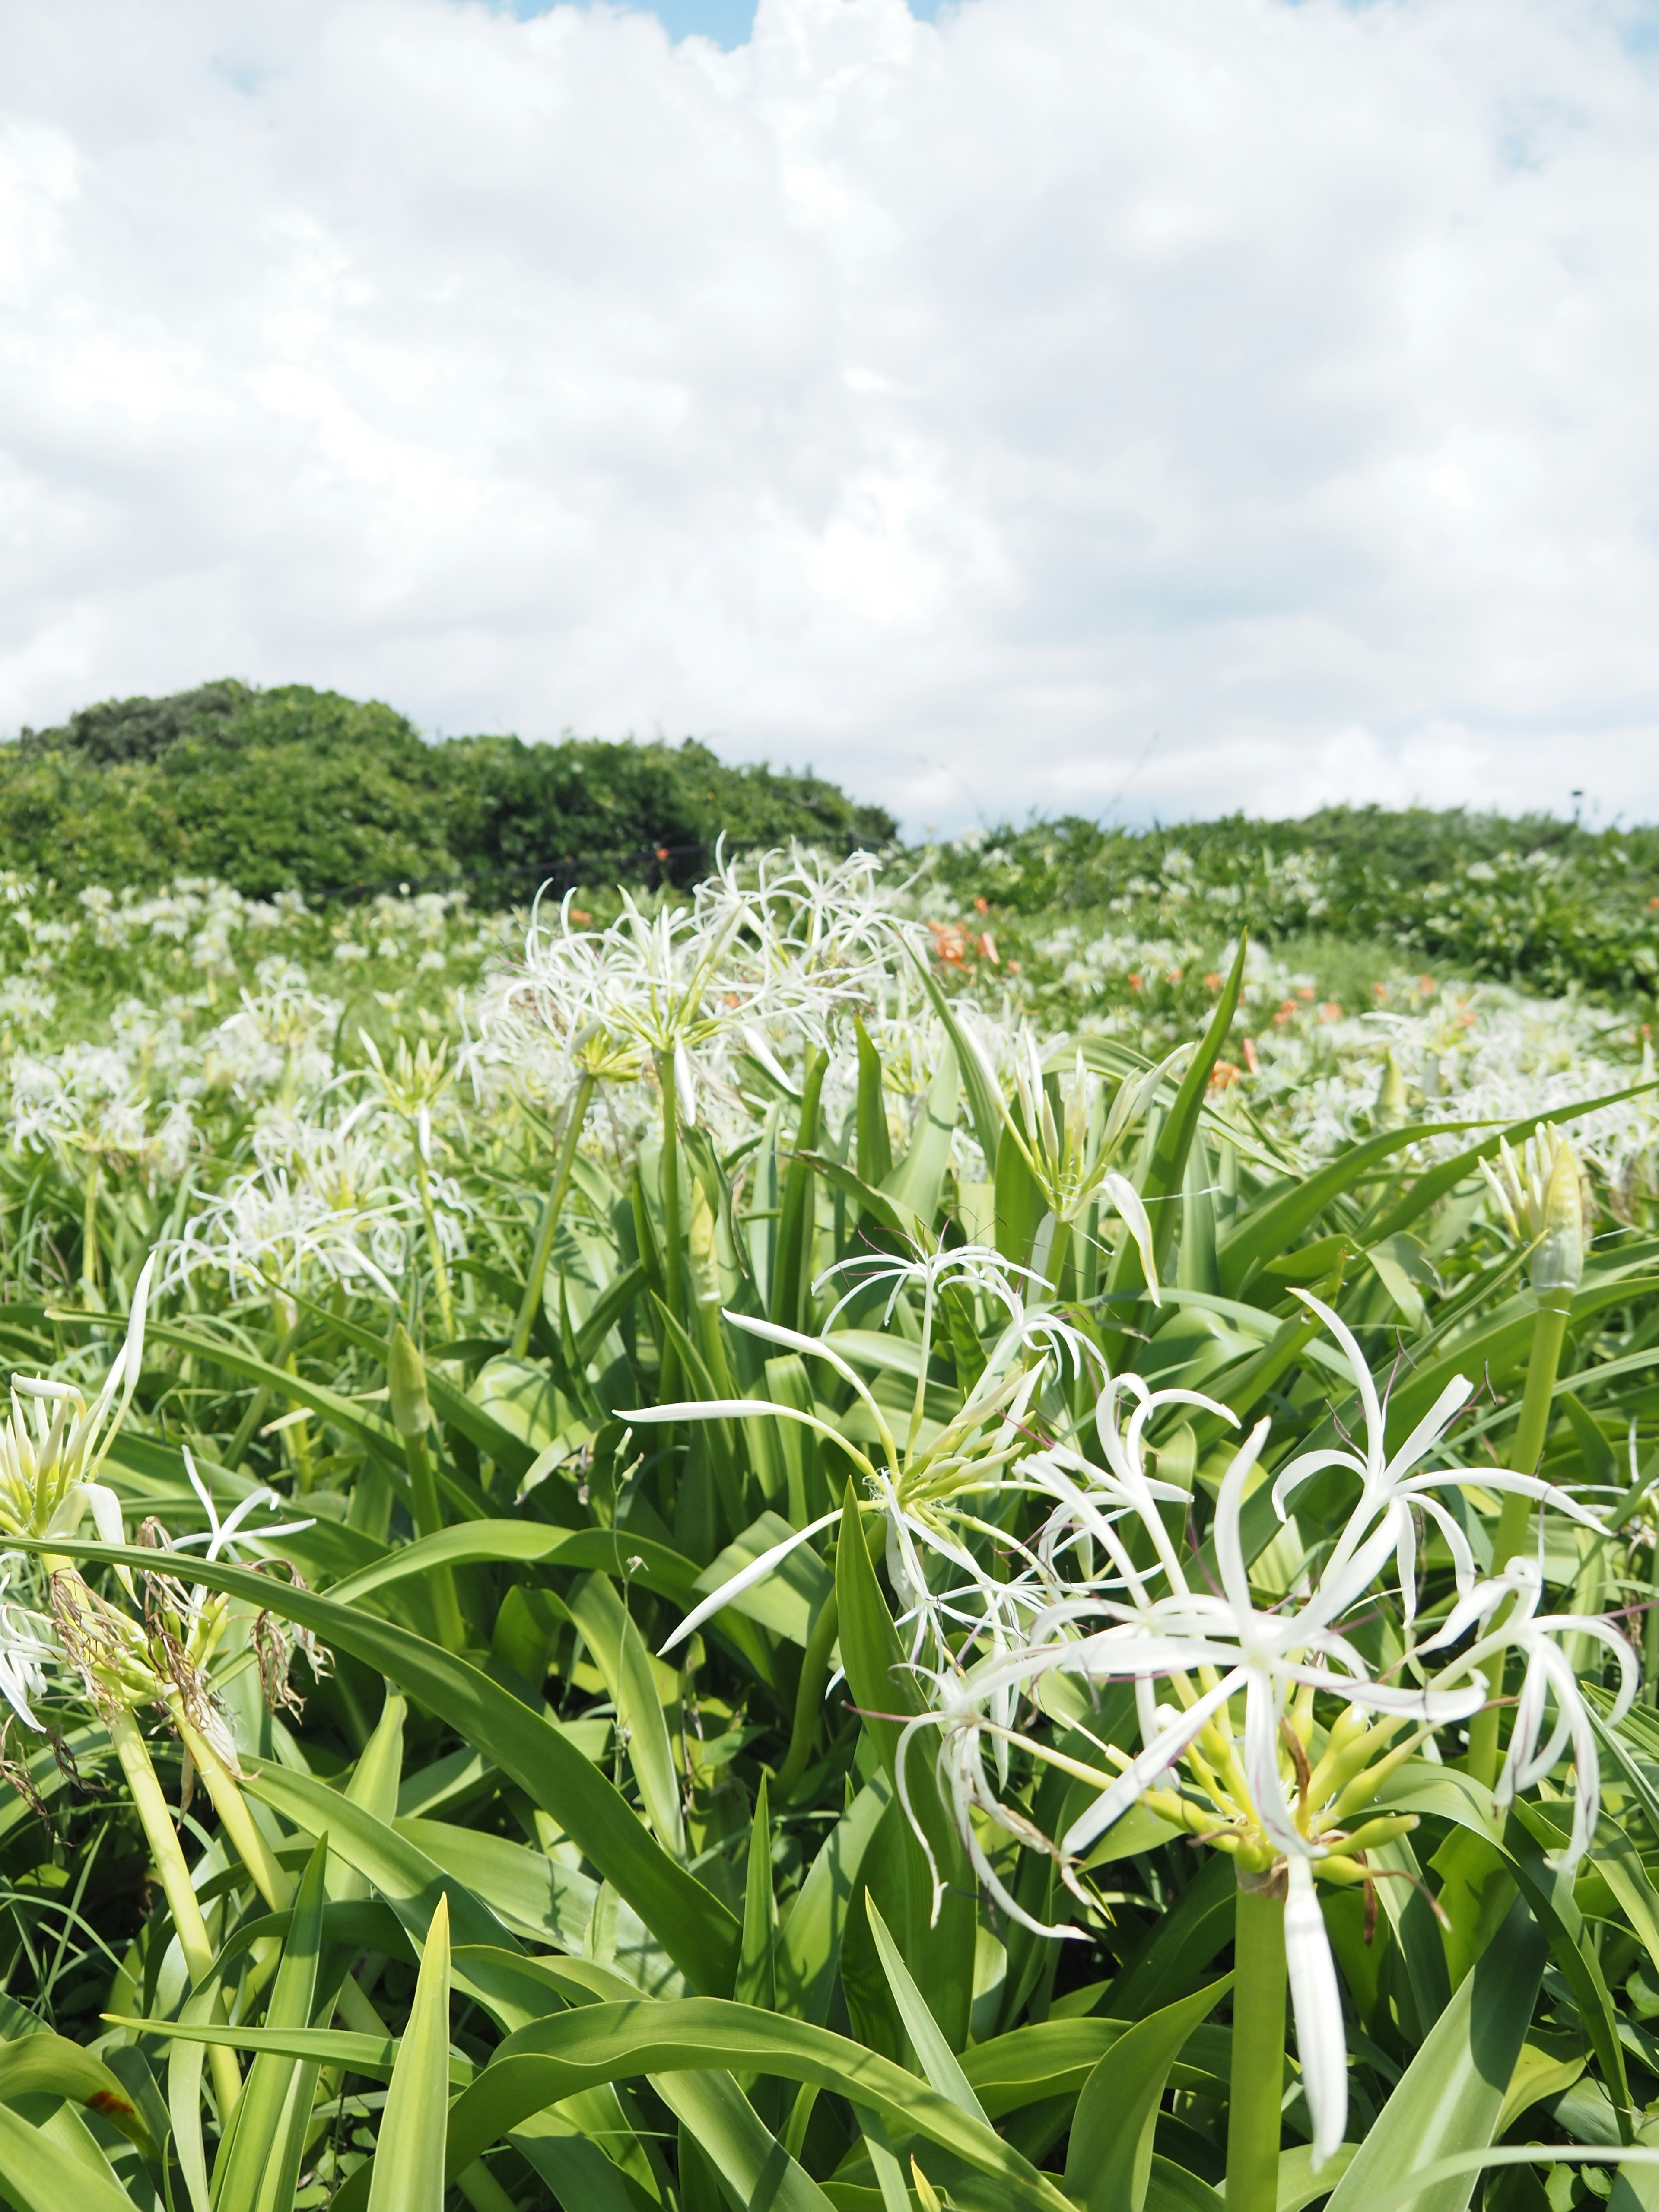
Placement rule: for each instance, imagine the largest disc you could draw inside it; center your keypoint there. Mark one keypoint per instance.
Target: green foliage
(1525, 899)
(547, 1895)
(296, 789)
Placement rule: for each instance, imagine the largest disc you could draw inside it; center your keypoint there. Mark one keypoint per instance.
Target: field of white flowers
(807, 1546)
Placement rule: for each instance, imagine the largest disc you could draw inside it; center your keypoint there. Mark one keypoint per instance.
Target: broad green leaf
(919, 1178)
(46, 2064)
(1451, 2096)
(1109, 2162)
(408, 2155)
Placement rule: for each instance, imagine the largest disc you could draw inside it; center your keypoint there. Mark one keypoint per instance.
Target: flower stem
(1548, 1334)
(1258, 2067)
(547, 1227)
(434, 1247)
(194, 1941)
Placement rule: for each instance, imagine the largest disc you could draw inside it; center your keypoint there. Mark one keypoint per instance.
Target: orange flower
(981, 906)
(1212, 982)
(1224, 1075)
(1251, 1060)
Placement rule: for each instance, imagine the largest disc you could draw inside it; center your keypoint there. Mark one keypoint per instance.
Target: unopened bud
(1391, 1104)
(405, 1378)
(1557, 1262)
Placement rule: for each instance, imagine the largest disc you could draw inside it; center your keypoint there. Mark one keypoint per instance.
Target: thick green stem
(547, 1227)
(428, 1520)
(673, 1259)
(1548, 1334)
(1258, 2065)
(89, 1238)
(197, 1945)
(434, 1247)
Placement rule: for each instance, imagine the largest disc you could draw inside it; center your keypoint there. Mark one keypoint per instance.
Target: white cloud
(956, 407)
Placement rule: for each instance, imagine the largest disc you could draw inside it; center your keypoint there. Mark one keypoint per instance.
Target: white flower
(1549, 1678)
(1391, 1490)
(49, 1462)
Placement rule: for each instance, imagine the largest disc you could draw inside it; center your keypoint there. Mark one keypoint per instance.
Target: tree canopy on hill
(293, 789)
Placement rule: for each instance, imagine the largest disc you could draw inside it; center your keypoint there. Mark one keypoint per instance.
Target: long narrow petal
(745, 1579)
(1229, 1547)
(1158, 1758)
(1361, 1375)
(1316, 2004)
(1424, 1437)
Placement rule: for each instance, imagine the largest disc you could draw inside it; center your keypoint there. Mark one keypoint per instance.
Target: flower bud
(405, 1377)
(1557, 1260)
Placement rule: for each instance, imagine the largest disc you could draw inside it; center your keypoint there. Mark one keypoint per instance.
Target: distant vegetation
(297, 789)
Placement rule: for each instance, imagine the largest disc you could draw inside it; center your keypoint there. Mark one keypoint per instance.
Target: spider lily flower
(1254, 1795)
(220, 1537)
(1540, 1192)
(1549, 1678)
(1390, 1489)
(920, 1490)
(49, 1462)
(27, 1648)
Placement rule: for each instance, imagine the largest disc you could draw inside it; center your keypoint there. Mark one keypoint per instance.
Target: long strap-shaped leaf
(606, 2042)
(1450, 2098)
(247, 2151)
(696, 1930)
(408, 2155)
(1110, 2160)
(40, 2176)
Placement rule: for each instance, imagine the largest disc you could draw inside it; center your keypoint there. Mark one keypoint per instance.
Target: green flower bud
(405, 1377)
(1557, 1260)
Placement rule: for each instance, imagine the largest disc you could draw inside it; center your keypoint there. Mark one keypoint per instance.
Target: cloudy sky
(1146, 405)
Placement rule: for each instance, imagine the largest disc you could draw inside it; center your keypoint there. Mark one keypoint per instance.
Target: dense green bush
(1528, 899)
(294, 789)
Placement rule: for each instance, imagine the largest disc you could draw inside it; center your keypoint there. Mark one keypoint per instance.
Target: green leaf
(604, 2043)
(408, 2155)
(934, 2054)
(1109, 2162)
(1549, 1893)
(1160, 1188)
(239, 2169)
(46, 2064)
(756, 1981)
(919, 1178)
(620, 1654)
(874, 1147)
(698, 1932)
(40, 2175)
(1451, 2096)
(984, 1106)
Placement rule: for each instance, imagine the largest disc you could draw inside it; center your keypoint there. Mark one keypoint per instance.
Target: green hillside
(293, 789)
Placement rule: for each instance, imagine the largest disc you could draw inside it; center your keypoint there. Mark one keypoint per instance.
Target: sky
(1138, 408)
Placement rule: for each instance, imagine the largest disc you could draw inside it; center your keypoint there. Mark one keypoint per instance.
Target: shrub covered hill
(292, 788)
(296, 789)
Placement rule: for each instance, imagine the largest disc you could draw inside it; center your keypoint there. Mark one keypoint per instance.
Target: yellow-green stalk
(411, 1416)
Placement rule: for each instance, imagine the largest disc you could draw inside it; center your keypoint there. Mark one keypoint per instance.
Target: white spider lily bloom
(1264, 1655)
(49, 1462)
(1549, 1676)
(27, 1648)
(1316, 2003)
(220, 1537)
(1390, 1489)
